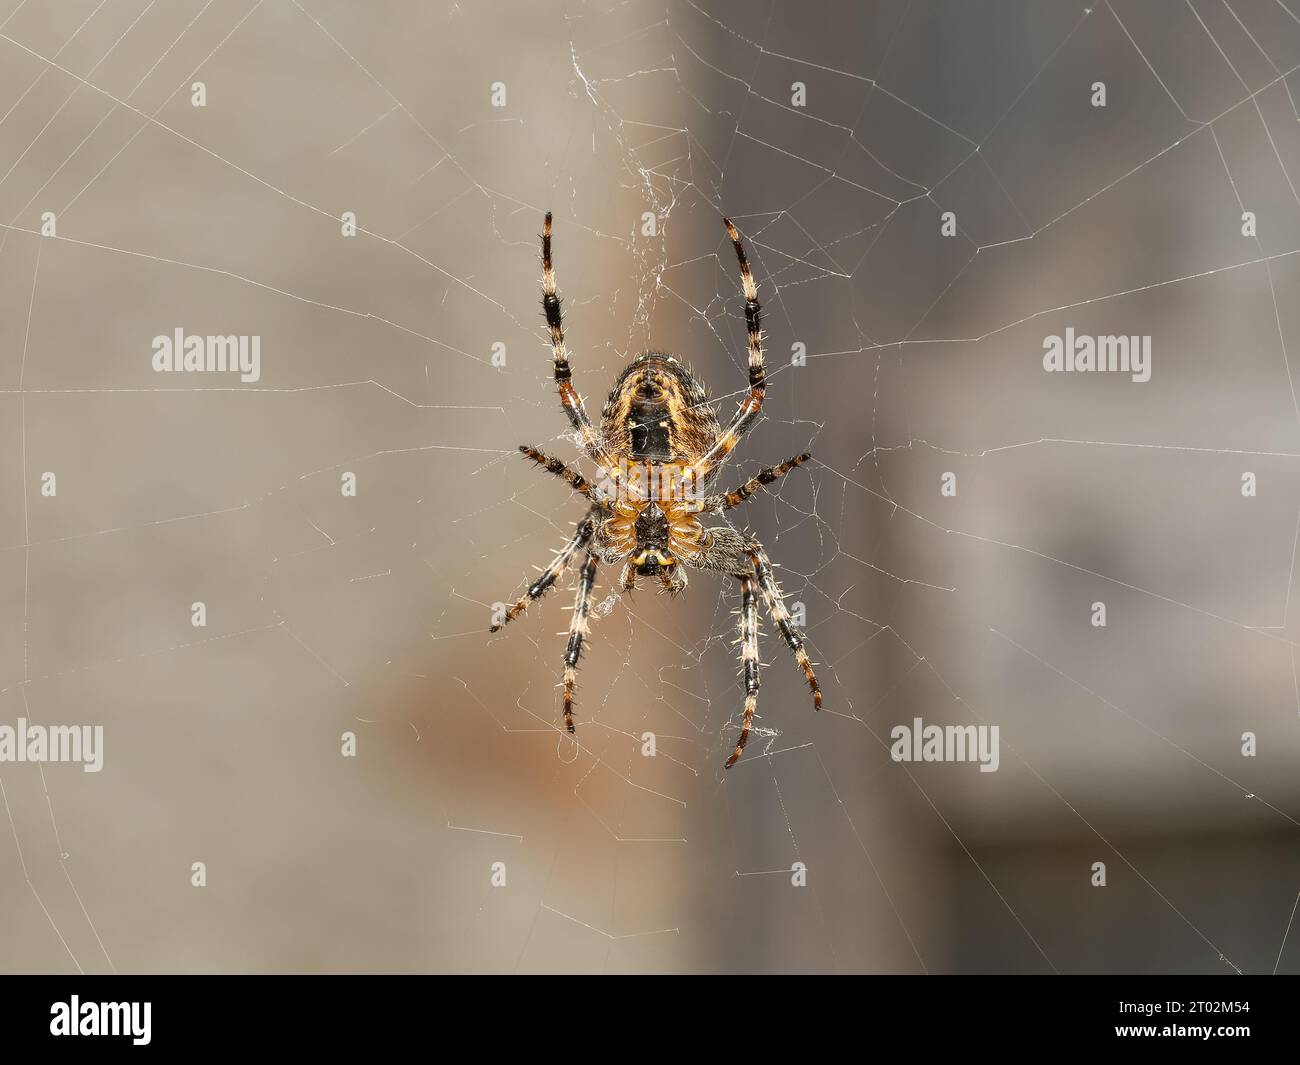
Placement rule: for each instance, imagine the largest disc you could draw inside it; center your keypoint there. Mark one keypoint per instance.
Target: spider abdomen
(658, 412)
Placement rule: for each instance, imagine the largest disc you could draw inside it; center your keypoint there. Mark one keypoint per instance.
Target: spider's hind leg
(749, 661)
(776, 607)
(581, 537)
(579, 627)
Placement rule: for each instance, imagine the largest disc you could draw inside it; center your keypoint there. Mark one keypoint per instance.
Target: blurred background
(196, 160)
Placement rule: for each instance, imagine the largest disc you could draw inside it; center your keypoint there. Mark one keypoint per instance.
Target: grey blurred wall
(329, 614)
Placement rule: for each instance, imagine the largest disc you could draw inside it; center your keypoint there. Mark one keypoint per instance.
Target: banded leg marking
(576, 481)
(749, 661)
(579, 627)
(581, 537)
(752, 405)
(761, 480)
(569, 398)
(776, 607)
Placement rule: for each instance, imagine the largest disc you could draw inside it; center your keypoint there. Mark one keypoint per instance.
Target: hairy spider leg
(569, 398)
(748, 660)
(576, 481)
(762, 479)
(776, 607)
(581, 537)
(752, 404)
(579, 627)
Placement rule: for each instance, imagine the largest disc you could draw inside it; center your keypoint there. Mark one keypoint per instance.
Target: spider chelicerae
(659, 450)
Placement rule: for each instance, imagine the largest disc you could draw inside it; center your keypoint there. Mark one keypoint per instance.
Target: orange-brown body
(656, 425)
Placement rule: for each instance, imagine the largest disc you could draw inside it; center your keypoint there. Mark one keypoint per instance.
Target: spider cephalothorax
(659, 449)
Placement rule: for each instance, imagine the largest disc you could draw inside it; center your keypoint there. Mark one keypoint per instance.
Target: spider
(659, 449)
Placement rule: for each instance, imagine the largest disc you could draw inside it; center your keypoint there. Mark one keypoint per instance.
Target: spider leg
(578, 628)
(628, 577)
(749, 661)
(776, 607)
(752, 404)
(763, 478)
(576, 481)
(719, 503)
(569, 398)
(581, 537)
(674, 580)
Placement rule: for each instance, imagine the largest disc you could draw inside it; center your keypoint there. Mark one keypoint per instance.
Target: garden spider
(659, 449)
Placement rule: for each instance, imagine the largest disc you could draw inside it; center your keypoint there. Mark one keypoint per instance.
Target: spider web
(837, 141)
